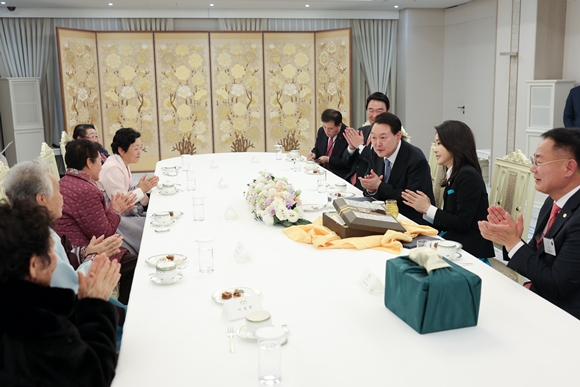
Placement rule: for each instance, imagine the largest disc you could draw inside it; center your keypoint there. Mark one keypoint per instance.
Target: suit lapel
(565, 214)
(400, 163)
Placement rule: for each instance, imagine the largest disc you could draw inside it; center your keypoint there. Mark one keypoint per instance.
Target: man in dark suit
(394, 166)
(572, 109)
(330, 143)
(551, 259)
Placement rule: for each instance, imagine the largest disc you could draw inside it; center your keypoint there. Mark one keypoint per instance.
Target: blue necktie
(387, 170)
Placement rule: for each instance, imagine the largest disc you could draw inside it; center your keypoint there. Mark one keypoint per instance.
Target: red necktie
(329, 149)
(553, 215)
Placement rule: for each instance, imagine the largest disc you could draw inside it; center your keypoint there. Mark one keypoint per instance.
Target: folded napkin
(324, 238)
(428, 258)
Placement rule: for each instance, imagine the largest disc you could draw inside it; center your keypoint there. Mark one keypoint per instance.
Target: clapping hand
(501, 228)
(147, 183)
(123, 202)
(371, 181)
(101, 279)
(355, 138)
(101, 245)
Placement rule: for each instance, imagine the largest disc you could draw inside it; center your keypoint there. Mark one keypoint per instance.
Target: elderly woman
(89, 132)
(49, 336)
(85, 213)
(33, 181)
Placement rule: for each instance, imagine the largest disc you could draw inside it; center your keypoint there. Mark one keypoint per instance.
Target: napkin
(428, 258)
(324, 238)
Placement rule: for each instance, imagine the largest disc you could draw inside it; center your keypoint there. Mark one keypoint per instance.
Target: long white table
(340, 334)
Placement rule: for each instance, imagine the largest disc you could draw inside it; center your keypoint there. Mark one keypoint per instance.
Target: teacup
(294, 154)
(165, 270)
(256, 320)
(170, 171)
(168, 189)
(447, 249)
(311, 166)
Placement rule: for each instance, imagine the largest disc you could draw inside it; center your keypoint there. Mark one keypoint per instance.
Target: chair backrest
(513, 187)
(47, 153)
(437, 175)
(64, 139)
(3, 171)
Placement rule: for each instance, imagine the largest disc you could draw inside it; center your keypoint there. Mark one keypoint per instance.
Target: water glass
(190, 180)
(321, 181)
(205, 252)
(278, 151)
(270, 355)
(198, 208)
(185, 162)
(423, 243)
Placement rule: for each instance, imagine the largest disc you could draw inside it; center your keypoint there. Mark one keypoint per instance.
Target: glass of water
(205, 253)
(190, 180)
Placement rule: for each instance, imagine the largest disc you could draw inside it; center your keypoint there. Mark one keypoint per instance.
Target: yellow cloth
(324, 238)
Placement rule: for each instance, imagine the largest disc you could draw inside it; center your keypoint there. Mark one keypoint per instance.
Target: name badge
(370, 282)
(237, 308)
(549, 246)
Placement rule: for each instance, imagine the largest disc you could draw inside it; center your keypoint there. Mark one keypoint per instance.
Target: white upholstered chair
(64, 139)
(47, 153)
(437, 175)
(3, 171)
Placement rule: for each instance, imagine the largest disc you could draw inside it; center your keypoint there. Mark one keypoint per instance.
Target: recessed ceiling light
(211, 5)
(110, 4)
(396, 6)
(307, 5)
(3, 2)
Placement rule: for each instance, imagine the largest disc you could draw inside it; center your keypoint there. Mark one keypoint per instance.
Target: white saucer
(313, 207)
(177, 258)
(313, 172)
(170, 168)
(178, 277)
(172, 174)
(243, 333)
(176, 214)
(340, 195)
(155, 224)
(456, 257)
(169, 194)
(162, 230)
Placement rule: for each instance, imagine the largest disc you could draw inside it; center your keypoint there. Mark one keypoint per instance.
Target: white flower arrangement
(275, 201)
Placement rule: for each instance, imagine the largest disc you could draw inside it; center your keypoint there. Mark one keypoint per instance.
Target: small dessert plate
(177, 258)
(217, 296)
(337, 195)
(178, 278)
(173, 214)
(243, 333)
(313, 207)
(313, 171)
(155, 224)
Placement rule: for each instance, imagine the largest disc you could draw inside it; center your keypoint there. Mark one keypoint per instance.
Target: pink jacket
(85, 213)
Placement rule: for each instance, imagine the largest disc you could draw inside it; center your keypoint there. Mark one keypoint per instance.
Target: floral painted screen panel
(183, 92)
(333, 72)
(237, 91)
(289, 82)
(127, 79)
(79, 78)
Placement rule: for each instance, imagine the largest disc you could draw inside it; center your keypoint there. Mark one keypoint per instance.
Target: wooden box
(366, 216)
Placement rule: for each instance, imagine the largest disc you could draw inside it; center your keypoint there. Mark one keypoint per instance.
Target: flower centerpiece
(275, 201)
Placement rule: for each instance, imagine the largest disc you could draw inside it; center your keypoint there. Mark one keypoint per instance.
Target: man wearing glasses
(551, 259)
(89, 132)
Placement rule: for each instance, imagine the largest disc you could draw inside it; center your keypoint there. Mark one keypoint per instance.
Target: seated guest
(85, 213)
(49, 336)
(116, 175)
(394, 166)
(89, 132)
(465, 194)
(32, 180)
(330, 143)
(550, 258)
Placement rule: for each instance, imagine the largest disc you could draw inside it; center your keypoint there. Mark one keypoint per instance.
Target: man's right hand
(355, 138)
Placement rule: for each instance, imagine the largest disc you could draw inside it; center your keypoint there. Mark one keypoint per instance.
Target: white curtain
(147, 24)
(25, 47)
(243, 24)
(376, 43)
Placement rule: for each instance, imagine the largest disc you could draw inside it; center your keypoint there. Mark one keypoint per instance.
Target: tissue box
(444, 299)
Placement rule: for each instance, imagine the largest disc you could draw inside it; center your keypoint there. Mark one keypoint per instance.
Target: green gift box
(446, 298)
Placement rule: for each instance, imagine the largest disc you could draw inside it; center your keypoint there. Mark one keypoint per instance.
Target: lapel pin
(565, 215)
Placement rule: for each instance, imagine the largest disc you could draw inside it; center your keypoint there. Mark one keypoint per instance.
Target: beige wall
(572, 42)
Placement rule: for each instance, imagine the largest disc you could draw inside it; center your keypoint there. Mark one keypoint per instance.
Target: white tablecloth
(340, 335)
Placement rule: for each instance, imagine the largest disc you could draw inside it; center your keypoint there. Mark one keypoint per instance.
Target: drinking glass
(278, 151)
(392, 208)
(270, 355)
(190, 180)
(321, 180)
(205, 252)
(185, 162)
(198, 208)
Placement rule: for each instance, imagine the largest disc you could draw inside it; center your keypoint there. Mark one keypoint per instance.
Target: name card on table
(370, 282)
(239, 307)
(241, 255)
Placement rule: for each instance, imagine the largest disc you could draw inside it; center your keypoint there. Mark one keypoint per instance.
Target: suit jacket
(554, 277)
(335, 163)
(410, 171)
(572, 109)
(354, 162)
(466, 203)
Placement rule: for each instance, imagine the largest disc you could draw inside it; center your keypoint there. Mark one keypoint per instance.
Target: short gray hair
(27, 179)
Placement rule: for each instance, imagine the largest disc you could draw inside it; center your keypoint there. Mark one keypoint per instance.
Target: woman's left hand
(418, 200)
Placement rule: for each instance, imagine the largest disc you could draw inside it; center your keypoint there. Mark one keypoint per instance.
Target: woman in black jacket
(49, 336)
(465, 195)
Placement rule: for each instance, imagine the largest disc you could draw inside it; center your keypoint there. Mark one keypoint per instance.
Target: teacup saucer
(178, 277)
(243, 333)
(170, 168)
(171, 173)
(154, 223)
(168, 193)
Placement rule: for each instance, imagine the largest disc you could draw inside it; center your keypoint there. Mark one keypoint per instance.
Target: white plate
(155, 224)
(457, 244)
(170, 168)
(217, 296)
(178, 277)
(313, 172)
(176, 214)
(177, 258)
(169, 194)
(243, 333)
(162, 230)
(313, 207)
(340, 195)
(171, 173)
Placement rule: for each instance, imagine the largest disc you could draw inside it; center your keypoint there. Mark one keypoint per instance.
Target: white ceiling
(166, 5)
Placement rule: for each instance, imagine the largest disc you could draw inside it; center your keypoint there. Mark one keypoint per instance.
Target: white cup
(165, 271)
(295, 154)
(171, 171)
(311, 166)
(258, 319)
(168, 188)
(447, 249)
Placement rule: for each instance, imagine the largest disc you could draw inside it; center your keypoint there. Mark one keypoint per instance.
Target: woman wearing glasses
(465, 195)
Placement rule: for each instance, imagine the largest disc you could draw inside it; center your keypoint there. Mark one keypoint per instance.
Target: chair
(513, 187)
(3, 172)
(437, 175)
(47, 154)
(64, 139)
